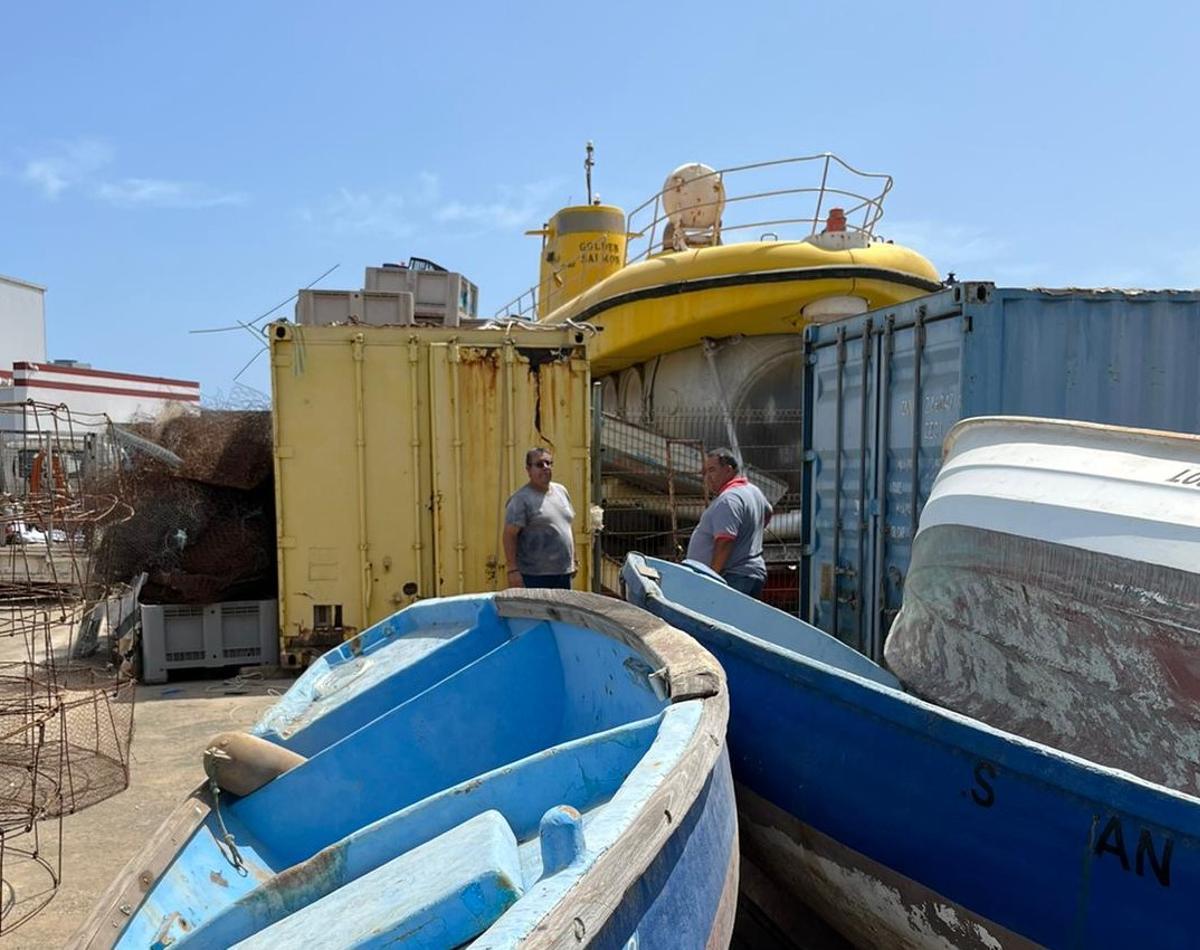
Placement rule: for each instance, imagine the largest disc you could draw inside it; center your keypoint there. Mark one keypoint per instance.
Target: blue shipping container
(883, 389)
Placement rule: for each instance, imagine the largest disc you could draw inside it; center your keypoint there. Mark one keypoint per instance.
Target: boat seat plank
(582, 773)
(441, 894)
(348, 688)
(500, 709)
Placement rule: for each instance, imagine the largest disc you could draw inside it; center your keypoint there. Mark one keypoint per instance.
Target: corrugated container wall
(396, 450)
(1127, 358)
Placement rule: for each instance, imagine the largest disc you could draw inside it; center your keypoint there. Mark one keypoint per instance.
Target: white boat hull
(1053, 592)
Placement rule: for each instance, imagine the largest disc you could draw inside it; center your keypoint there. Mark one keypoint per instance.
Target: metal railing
(653, 493)
(777, 200)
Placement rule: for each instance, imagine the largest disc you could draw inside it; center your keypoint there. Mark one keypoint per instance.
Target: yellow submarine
(690, 284)
(699, 297)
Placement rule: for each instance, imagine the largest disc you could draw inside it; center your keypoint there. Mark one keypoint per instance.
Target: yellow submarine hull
(675, 300)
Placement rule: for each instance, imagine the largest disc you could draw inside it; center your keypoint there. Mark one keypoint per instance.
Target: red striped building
(92, 394)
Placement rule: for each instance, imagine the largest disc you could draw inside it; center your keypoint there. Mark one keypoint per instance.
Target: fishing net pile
(204, 523)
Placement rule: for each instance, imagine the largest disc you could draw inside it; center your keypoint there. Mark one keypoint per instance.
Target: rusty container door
(489, 404)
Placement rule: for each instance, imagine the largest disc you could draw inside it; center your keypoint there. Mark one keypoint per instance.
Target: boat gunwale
(108, 919)
(687, 671)
(1116, 434)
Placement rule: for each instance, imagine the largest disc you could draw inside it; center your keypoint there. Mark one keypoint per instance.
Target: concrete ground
(172, 725)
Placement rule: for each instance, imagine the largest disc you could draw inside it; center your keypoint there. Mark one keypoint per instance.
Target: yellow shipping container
(395, 452)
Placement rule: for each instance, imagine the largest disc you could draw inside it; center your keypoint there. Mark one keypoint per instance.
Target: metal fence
(652, 490)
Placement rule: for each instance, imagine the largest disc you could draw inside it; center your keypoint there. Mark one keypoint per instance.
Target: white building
(93, 394)
(22, 324)
(90, 395)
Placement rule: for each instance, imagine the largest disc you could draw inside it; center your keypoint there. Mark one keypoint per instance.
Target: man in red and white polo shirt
(729, 537)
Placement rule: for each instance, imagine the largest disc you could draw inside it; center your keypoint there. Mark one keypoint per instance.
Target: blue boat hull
(688, 896)
(534, 768)
(906, 825)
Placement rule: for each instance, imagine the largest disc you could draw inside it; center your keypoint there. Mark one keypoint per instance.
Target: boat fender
(241, 763)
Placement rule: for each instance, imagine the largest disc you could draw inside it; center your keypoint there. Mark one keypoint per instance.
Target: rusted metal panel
(395, 452)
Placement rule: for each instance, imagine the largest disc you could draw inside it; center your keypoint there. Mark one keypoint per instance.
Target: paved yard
(172, 725)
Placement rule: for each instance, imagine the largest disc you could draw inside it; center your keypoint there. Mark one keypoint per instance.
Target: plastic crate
(379, 309)
(190, 636)
(440, 297)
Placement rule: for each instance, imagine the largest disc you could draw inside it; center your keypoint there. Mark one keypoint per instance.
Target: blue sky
(166, 168)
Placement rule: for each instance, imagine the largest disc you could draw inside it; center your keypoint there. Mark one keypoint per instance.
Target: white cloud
(516, 207)
(363, 212)
(71, 164)
(976, 254)
(948, 245)
(428, 188)
(494, 215)
(161, 193)
(970, 252)
(77, 166)
(402, 212)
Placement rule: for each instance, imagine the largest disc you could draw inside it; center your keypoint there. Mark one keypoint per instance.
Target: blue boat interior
(743, 624)
(473, 762)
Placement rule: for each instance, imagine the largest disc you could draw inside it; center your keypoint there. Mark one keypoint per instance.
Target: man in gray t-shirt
(538, 543)
(729, 537)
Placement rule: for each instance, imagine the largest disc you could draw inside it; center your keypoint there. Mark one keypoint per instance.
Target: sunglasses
(544, 463)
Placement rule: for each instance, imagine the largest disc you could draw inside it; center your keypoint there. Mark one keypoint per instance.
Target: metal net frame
(66, 725)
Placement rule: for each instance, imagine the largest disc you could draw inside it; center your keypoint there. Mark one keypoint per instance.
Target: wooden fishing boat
(1054, 588)
(527, 768)
(905, 825)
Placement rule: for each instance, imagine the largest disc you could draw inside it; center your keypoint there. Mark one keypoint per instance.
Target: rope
(237, 685)
(234, 857)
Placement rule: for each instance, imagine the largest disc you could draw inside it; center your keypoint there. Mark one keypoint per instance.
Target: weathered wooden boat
(1054, 591)
(527, 768)
(905, 825)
